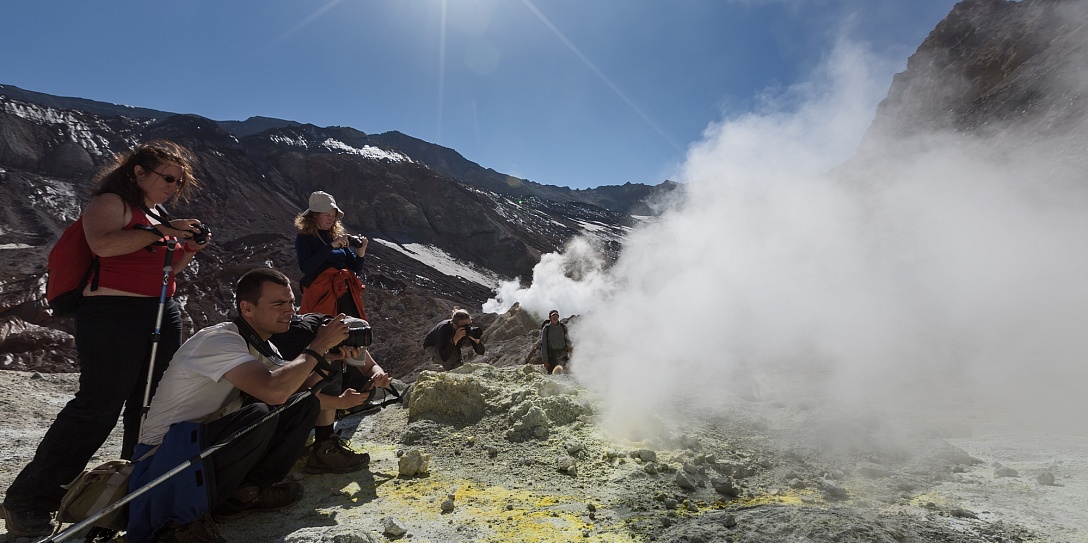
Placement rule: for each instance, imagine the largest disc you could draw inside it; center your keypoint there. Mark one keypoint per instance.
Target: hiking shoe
(28, 523)
(333, 455)
(201, 530)
(248, 499)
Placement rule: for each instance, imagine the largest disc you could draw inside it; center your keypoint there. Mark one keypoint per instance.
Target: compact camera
(355, 241)
(473, 331)
(359, 333)
(201, 236)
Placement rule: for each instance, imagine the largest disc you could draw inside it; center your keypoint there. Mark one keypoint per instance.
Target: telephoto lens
(359, 334)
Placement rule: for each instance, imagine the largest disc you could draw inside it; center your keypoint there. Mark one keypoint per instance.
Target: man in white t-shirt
(199, 403)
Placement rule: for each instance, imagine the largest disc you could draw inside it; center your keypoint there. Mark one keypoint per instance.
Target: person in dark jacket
(555, 345)
(330, 260)
(444, 342)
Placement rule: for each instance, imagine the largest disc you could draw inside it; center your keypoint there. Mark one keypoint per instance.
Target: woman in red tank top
(115, 323)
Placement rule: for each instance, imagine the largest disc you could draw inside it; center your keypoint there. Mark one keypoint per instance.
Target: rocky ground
(508, 454)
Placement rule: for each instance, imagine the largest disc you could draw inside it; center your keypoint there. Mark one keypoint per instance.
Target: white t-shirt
(193, 386)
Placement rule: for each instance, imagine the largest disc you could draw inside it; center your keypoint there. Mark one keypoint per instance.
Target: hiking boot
(201, 530)
(248, 499)
(334, 455)
(28, 523)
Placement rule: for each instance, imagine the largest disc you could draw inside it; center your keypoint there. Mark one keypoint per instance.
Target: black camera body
(359, 333)
(473, 331)
(355, 242)
(201, 236)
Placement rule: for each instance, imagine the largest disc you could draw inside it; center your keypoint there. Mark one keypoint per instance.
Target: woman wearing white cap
(329, 259)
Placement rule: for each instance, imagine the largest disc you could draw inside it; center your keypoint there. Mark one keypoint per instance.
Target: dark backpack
(71, 265)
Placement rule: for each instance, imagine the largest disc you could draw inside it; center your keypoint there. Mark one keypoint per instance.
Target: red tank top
(139, 272)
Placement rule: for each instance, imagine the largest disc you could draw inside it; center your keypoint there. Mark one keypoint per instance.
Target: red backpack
(71, 265)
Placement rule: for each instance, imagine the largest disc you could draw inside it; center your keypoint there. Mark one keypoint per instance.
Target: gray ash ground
(513, 455)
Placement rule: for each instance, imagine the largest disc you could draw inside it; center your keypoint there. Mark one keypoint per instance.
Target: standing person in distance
(555, 345)
(444, 342)
(114, 324)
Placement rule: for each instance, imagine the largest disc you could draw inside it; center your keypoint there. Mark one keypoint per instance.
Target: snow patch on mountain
(440, 260)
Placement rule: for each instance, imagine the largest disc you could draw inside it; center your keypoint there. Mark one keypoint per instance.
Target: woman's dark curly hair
(120, 177)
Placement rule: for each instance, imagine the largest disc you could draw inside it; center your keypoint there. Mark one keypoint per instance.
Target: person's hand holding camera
(330, 335)
(459, 334)
(344, 352)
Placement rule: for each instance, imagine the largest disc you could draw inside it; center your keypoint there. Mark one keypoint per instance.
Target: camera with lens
(355, 241)
(359, 333)
(201, 236)
(473, 331)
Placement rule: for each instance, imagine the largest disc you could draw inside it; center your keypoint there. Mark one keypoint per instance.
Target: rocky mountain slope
(253, 187)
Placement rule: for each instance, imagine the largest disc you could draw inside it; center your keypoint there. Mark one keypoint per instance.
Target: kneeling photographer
(353, 382)
(444, 342)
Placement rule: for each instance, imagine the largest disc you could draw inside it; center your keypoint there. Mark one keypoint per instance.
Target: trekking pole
(180, 467)
(167, 267)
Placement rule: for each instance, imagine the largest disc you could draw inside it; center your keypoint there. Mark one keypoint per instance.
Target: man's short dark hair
(249, 286)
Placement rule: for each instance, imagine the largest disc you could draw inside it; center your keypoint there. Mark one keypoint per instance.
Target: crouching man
(199, 404)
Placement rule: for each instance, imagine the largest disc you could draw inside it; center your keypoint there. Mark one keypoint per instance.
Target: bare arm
(274, 387)
(104, 221)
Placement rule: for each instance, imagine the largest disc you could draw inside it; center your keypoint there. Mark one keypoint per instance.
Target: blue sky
(577, 93)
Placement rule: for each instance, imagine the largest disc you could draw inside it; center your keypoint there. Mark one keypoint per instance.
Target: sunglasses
(168, 178)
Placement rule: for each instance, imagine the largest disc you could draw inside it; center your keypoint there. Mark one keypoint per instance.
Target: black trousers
(261, 457)
(113, 339)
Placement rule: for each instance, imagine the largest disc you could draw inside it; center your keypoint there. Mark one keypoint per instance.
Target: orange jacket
(327, 288)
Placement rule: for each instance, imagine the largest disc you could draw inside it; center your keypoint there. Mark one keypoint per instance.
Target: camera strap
(323, 368)
(164, 219)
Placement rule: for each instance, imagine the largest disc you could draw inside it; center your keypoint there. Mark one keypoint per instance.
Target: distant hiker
(114, 322)
(330, 454)
(444, 342)
(555, 345)
(199, 403)
(330, 282)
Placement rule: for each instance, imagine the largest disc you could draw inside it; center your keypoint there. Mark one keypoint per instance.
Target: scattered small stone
(1045, 478)
(646, 455)
(650, 468)
(729, 521)
(573, 448)
(413, 463)
(962, 513)
(447, 505)
(690, 468)
(685, 480)
(671, 503)
(591, 507)
(392, 527)
(492, 451)
(831, 489)
(725, 486)
(35, 376)
(1002, 471)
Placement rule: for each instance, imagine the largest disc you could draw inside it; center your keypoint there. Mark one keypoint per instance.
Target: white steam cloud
(945, 272)
(571, 281)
